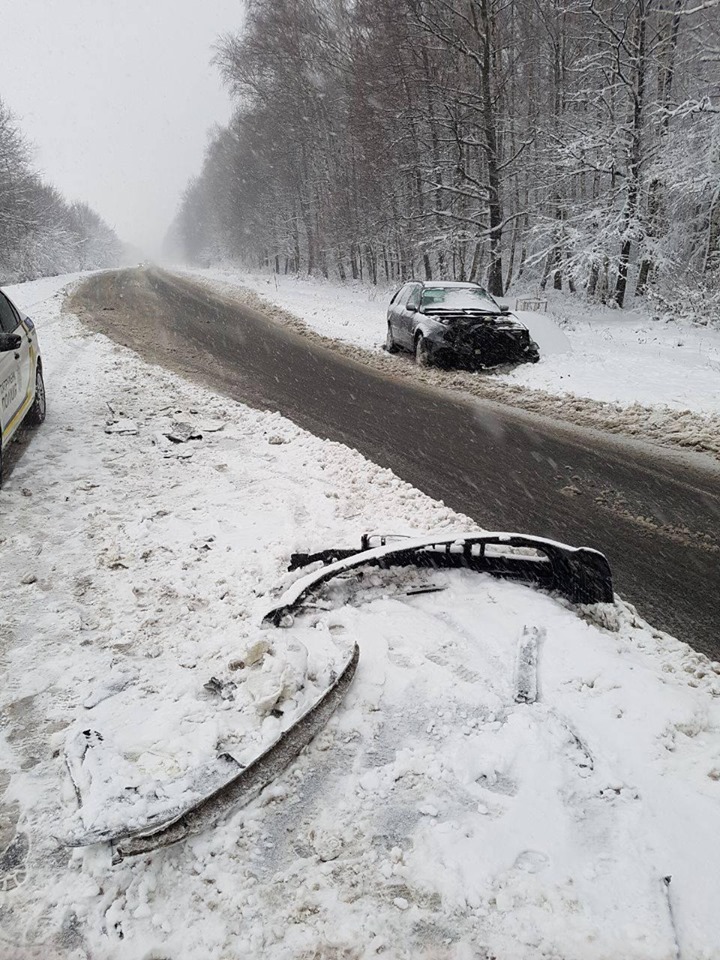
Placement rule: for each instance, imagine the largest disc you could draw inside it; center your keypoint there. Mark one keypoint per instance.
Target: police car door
(14, 369)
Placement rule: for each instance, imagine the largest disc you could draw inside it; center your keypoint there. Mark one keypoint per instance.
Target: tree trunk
(712, 252)
(476, 261)
(633, 174)
(593, 279)
(495, 210)
(666, 74)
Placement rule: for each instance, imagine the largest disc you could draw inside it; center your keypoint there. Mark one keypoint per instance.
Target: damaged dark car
(447, 323)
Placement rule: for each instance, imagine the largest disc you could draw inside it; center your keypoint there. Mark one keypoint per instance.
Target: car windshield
(458, 298)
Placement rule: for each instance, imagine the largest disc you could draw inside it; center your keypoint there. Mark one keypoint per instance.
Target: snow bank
(626, 357)
(545, 331)
(436, 816)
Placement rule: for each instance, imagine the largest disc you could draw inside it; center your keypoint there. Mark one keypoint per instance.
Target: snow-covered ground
(434, 817)
(614, 356)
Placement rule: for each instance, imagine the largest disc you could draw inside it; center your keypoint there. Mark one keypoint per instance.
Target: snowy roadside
(434, 817)
(617, 371)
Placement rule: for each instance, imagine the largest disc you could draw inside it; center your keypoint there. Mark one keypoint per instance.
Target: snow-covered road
(435, 817)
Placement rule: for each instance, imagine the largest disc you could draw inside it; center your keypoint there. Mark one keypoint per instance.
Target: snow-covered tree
(563, 141)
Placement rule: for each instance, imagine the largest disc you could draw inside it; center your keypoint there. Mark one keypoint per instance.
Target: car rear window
(459, 298)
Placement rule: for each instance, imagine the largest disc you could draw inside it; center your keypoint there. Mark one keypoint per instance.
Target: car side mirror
(10, 341)
(411, 308)
(504, 308)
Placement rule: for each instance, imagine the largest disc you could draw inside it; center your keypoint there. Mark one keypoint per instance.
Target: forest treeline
(41, 234)
(569, 143)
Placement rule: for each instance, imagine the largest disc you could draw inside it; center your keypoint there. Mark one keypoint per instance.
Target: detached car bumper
(580, 574)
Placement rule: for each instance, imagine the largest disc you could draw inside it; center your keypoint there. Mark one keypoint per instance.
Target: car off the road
(452, 323)
(22, 390)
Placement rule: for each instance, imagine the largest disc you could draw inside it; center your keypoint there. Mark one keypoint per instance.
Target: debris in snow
(76, 749)
(115, 800)
(252, 653)
(180, 432)
(122, 427)
(526, 671)
(248, 783)
(224, 688)
(668, 899)
(266, 689)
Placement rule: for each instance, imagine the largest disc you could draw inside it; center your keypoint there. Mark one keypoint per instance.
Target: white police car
(22, 391)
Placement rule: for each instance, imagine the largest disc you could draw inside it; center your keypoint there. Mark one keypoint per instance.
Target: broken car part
(580, 574)
(233, 787)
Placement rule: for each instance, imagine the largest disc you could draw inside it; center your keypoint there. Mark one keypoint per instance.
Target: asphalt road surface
(654, 513)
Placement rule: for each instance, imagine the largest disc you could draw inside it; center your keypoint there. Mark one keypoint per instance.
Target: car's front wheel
(390, 345)
(422, 352)
(36, 413)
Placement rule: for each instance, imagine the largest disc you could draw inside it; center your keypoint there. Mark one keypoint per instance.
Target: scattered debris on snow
(122, 427)
(182, 432)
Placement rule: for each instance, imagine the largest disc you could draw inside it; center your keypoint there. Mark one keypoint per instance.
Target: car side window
(414, 298)
(8, 318)
(401, 296)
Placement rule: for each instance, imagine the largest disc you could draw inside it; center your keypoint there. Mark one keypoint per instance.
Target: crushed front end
(474, 339)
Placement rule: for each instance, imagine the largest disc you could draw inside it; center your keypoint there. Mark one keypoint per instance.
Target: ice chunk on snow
(526, 673)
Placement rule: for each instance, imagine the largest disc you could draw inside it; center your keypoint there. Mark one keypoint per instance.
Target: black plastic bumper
(580, 574)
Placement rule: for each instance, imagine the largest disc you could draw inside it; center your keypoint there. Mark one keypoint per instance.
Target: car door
(411, 308)
(14, 369)
(395, 314)
(407, 318)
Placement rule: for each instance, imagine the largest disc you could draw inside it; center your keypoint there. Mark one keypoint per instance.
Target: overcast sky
(117, 97)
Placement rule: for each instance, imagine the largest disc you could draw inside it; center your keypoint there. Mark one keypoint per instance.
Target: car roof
(430, 284)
